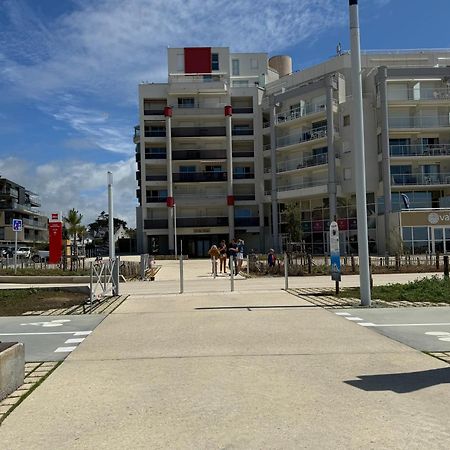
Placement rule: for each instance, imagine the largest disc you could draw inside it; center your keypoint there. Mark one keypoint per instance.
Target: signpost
(335, 254)
(17, 226)
(55, 238)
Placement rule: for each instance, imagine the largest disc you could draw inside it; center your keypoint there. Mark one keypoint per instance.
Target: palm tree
(73, 220)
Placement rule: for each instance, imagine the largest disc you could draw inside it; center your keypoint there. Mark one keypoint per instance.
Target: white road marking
(74, 341)
(437, 333)
(366, 324)
(82, 333)
(445, 339)
(65, 349)
(405, 324)
(354, 318)
(46, 324)
(343, 314)
(75, 333)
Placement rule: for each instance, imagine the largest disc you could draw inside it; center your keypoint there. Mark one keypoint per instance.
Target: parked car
(6, 252)
(24, 252)
(40, 256)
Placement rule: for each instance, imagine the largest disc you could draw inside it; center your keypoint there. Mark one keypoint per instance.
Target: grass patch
(434, 289)
(14, 302)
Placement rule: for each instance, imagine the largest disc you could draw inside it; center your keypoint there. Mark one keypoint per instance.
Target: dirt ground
(14, 302)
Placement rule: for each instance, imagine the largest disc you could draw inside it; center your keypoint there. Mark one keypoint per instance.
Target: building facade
(232, 139)
(16, 202)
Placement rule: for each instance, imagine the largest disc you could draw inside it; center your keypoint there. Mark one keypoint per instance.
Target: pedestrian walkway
(252, 369)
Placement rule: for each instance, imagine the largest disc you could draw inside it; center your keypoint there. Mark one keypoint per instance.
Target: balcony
(155, 155)
(198, 131)
(419, 150)
(182, 84)
(246, 221)
(243, 154)
(194, 177)
(419, 94)
(244, 197)
(137, 134)
(150, 133)
(303, 185)
(179, 155)
(42, 224)
(151, 224)
(9, 192)
(156, 177)
(302, 111)
(199, 197)
(156, 198)
(199, 109)
(243, 176)
(304, 136)
(154, 112)
(441, 121)
(420, 179)
(242, 132)
(308, 161)
(202, 221)
(242, 110)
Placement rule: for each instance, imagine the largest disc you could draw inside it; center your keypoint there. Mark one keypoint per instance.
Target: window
(187, 169)
(213, 168)
(214, 61)
(347, 173)
(188, 102)
(253, 63)
(347, 120)
(235, 67)
(180, 62)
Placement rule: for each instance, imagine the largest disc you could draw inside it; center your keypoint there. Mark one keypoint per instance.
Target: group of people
(234, 251)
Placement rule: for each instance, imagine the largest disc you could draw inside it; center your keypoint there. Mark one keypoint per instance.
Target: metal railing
(155, 133)
(196, 78)
(198, 131)
(202, 221)
(419, 179)
(304, 136)
(199, 154)
(155, 198)
(307, 161)
(242, 132)
(301, 111)
(243, 176)
(440, 121)
(199, 176)
(303, 185)
(420, 150)
(423, 93)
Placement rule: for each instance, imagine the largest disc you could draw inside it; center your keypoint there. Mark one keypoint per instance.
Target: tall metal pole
(15, 252)
(175, 229)
(359, 152)
(228, 111)
(112, 252)
(273, 164)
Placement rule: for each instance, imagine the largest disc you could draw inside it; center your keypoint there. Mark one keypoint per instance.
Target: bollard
(232, 273)
(286, 275)
(181, 275)
(248, 265)
(90, 283)
(446, 266)
(437, 261)
(309, 264)
(214, 267)
(352, 259)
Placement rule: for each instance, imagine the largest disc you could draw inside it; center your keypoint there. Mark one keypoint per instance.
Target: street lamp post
(358, 150)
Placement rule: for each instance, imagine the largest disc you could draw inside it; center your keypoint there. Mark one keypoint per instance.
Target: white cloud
(81, 185)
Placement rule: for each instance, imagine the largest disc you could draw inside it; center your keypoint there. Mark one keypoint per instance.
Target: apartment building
(16, 202)
(231, 139)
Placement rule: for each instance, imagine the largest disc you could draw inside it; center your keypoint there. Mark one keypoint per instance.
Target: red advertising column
(55, 238)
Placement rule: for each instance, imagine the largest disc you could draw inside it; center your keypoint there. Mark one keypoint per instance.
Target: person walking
(240, 255)
(214, 253)
(223, 256)
(271, 258)
(232, 252)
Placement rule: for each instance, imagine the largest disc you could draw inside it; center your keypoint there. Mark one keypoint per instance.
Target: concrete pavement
(209, 369)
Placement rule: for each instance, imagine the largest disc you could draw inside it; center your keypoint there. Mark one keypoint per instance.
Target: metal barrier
(104, 280)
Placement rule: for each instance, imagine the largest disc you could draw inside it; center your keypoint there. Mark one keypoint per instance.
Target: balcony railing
(150, 224)
(155, 155)
(199, 154)
(156, 198)
(246, 221)
(198, 196)
(35, 223)
(202, 221)
(303, 185)
(154, 112)
(155, 133)
(156, 177)
(198, 131)
(304, 136)
(420, 150)
(244, 197)
(10, 192)
(243, 154)
(420, 179)
(308, 161)
(243, 110)
(301, 111)
(191, 177)
(137, 134)
(243, 176)
(195, 78)
(423, 93)
(420, 122)
(242, 132)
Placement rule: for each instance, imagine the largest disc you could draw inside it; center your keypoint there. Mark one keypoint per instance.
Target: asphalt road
(425, 329)
(48, 338)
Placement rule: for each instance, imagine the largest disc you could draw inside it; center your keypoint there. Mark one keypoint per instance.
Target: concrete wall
(12, 367)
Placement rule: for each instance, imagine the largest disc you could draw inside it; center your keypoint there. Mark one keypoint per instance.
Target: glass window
(347, 120)
(187, 169)
(407, 233)
(214, 61)
(187, 102)
(420, 233)
(235, 67)
(180, 62)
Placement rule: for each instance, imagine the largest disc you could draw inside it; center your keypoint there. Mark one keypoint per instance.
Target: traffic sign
(17, 224)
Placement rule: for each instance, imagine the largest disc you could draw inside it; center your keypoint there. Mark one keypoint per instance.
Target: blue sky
(69, 71)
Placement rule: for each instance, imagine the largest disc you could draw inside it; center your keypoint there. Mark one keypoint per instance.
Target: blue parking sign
(17, 224)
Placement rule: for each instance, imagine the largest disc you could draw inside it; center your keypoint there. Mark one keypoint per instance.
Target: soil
(14, 302)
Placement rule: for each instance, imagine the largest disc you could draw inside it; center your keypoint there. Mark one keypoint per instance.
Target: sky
(70, 69)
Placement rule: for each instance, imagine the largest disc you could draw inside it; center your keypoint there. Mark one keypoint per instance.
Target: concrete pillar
(384, 122)
(170, 199)
(330, 84)
(229, 147)
(273, 166)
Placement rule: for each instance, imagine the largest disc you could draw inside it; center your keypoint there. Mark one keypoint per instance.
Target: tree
(73, 221)
(293, 221)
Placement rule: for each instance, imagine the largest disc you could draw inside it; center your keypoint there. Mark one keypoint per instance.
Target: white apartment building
(233, 137)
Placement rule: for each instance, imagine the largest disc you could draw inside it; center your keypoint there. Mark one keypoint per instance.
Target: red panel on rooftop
(197, 60)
